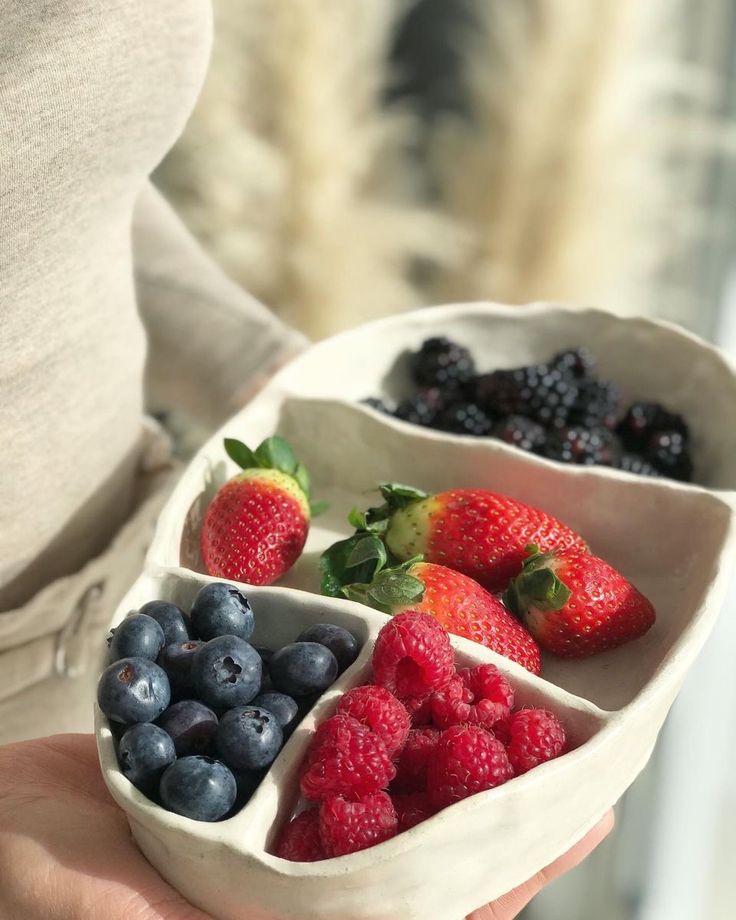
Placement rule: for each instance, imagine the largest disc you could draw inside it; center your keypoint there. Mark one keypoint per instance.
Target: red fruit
(481, 696)
(300, 840)
(419, 709)
(255, 528)
(347, 826)
(467, 759)
(458, 603)
(381, 712)
(345, 758)
(479, 533)
(536, 736)
(412, 808)
(411, 767)
(412, 655)
(576, 605)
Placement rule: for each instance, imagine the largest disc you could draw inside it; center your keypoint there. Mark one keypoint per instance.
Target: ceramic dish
(675, 542)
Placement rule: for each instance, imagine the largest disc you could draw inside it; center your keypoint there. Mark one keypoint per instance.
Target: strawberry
(457, 602)
(255, 527)
(479, 533)
(575, 604)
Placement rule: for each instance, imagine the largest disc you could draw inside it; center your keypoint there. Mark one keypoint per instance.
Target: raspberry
(478, 696)
(419, 709)
(381, 712)
(467, 759)
(347, 826)
(411, 767)
(299, 840)
(412, 655)
(536, 737)
(345, 758)
(411, 809)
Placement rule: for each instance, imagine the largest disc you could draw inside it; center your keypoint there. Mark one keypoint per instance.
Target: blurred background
(354, 158)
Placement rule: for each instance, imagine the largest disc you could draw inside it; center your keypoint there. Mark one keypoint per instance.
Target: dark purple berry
(633, 463)
(133, 690)
(138, 636)
(170, 618)
(249, 738)
(144, 752)
(226, 672)
(198, 787)
(176, 660)
(421, 408)
(580, 362)
(521, 432)
(191, 726)
(303, 668)
(440, 361)
(642, 420)
(545, 394)
(343, 644)
(668, 452)
(285, 708)
(220, 609)
(380, 405)
(464, 418)
(581, 445)
(597, 404)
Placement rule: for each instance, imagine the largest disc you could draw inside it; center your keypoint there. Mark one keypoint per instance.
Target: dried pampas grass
(294, 172)
(579, 179)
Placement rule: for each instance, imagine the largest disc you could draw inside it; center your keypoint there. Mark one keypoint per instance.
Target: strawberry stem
(537, 586)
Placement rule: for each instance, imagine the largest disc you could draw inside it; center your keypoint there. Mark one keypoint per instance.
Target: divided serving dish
(675, 542)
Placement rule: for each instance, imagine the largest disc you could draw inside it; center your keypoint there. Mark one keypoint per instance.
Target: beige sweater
(92, 95)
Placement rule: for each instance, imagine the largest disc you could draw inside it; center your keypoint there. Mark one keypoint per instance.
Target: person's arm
(211, 345)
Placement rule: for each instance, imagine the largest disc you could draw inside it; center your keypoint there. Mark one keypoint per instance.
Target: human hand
(65, 848)
(66, 852)
(510, 905)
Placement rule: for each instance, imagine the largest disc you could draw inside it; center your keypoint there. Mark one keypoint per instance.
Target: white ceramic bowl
(675, 542)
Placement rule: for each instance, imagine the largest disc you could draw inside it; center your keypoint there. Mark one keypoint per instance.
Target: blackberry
(668, 452)
(596, 405)
(633, 463)
(373, 402)
(520, 431)
(580, 362)
(440, 361)
(643, 419)
(464, 418)
(422, 408)
(545, 394)
(581, 445)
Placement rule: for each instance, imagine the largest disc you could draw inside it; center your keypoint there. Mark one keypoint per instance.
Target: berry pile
(199, 712)
(559, 409)
(422, 737)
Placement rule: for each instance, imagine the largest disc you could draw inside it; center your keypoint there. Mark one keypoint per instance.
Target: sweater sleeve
(210, 344)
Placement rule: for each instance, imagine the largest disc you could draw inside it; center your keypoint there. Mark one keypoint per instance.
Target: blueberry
(342, 644)
(170, 618)
(138, 636)
(133, 690)
(282, 706)
(190, 725)
(302, 668)
(265, 653)
(144, 752)
(249, 738)
(198, 787)
(266, 656)
(222, 610)
(177, 660)
(227, 672)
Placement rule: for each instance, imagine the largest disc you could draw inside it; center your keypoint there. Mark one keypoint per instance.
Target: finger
(510, 905)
